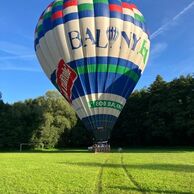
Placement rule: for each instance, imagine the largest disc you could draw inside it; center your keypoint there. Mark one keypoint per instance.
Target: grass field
(79, 172)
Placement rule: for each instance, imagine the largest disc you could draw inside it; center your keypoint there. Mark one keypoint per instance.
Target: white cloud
(158, 48)
(166, 26)
(14, 49)
(19, 66)
(27, 57)
(19, 69)
(17, 57)
(156, 51)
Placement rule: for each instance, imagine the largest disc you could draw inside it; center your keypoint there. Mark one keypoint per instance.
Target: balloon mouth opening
(102, 142)
(102, 135)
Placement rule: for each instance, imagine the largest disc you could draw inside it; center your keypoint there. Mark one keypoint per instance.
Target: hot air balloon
(94, 52)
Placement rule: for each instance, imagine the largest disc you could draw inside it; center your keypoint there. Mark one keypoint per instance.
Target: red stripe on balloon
(56, 15)
(70, 3)
(50, 5)
(116, 8)
(129, 6)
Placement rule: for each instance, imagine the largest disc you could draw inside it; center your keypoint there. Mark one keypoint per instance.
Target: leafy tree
(58, 118)
(162, 114)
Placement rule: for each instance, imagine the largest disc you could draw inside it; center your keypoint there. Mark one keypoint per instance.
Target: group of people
(101, 147)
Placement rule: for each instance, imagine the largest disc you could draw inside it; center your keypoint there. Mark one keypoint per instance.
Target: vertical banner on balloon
(66, 77)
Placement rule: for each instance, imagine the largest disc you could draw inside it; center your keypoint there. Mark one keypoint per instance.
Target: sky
(171, 27)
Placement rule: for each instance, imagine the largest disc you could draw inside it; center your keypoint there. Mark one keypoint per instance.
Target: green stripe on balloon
(101, 1)
(40, 28)
(58, 3)
(47, 15)
(85, 6)
(139, 18)
(103, 68)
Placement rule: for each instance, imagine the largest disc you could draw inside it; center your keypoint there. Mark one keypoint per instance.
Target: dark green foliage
(48, 119)
(160, 115)
(57, 118)
(18, 122)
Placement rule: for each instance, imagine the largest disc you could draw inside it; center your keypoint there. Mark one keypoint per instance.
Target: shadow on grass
(164, 167)
(48, 151)
(155, 150)
(126, 188)
(114, 150)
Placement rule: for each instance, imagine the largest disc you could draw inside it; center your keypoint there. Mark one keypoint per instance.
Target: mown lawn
(79, 172)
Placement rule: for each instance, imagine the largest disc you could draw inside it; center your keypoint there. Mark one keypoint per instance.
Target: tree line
(159, 115)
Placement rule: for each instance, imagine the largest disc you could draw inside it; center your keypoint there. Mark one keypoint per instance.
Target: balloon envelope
(94, 52)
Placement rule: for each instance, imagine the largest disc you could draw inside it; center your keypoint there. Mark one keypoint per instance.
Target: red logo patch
(66, 77)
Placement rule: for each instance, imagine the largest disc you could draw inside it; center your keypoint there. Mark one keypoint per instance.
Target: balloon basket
(102, 147)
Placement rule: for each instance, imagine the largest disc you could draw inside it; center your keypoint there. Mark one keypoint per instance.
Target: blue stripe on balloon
(75, 91)
(71, 16)
(86, 13)
(114, 82)
(91, 78)
(95, 82)
(99, 11)
(100, 120)
(41, 34)
(127, 85)
(126, 1)
(89, 83)
(134, 21)
(105, 60)
(53, 80)
(101, 80)
(57, 8)
(47, 25)
(117, 2)
(36, 42)
(117, 15)
(57, 23)
(112, 86)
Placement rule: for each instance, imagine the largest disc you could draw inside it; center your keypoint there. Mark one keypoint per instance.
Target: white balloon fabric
(94, 52)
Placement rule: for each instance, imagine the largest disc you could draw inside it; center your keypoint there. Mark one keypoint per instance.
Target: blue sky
(170, 23)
